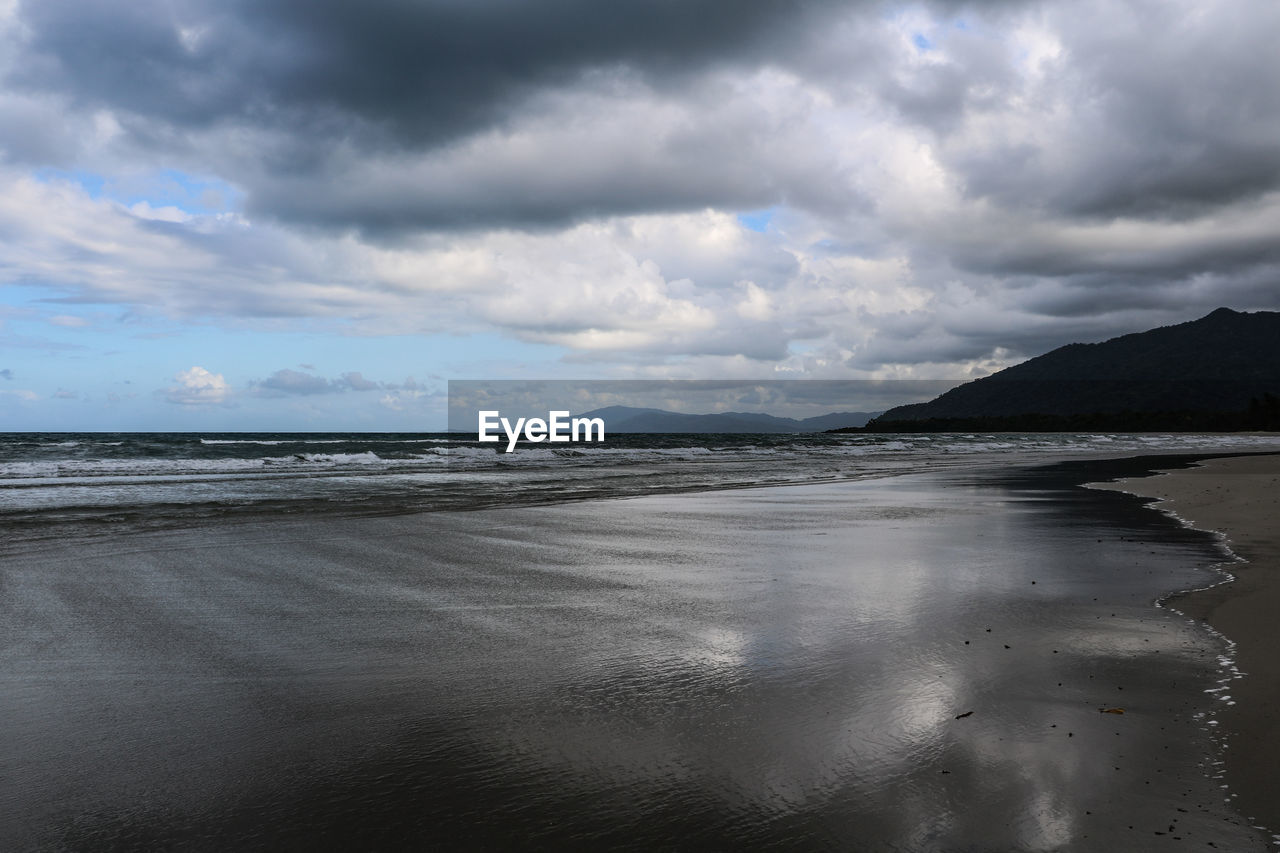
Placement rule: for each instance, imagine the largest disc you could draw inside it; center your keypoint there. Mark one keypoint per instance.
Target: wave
(239, 441)
(273, 442)
(75, 468)
(160, 458)
(341, 458)
(353, 440)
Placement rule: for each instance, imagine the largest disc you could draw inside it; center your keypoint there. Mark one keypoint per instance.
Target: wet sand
(1239, 499)
(915, 663)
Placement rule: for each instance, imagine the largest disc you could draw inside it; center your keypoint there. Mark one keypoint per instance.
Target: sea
(59, 484)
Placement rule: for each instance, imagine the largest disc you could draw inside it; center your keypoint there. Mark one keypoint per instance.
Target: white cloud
(164, 213)
(198, 387)
(403, 399)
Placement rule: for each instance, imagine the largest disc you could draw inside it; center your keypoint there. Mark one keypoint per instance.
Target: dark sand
(908, 664)
(1239, 498)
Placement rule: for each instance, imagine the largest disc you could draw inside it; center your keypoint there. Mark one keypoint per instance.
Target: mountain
(629, 419)
(1191, 375)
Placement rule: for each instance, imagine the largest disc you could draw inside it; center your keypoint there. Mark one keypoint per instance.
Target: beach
(962, 659)
(1238, 499)
(781, 425)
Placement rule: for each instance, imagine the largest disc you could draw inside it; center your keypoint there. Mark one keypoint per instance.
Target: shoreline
(1238, 500)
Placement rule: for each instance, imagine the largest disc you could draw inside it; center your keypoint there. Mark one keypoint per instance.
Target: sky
(312, 214)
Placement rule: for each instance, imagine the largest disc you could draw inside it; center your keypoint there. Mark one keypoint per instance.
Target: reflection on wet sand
(916, 663)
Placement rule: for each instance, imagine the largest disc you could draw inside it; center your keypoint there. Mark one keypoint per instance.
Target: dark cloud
(1128, 254)
(33, 133)
(6, 374)
(373, 115)
(1165, 112)
(391, 117)
(586, 178)
(421, 72)
(975, 75)
(1131, 300)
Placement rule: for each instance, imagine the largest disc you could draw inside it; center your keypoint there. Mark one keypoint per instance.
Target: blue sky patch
(757, 220)
(163, 188)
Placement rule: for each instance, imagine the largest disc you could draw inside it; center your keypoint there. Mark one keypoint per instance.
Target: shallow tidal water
(915, 663)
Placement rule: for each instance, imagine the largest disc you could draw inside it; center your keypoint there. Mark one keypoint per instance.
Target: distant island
(628, 419)
(1218, 373)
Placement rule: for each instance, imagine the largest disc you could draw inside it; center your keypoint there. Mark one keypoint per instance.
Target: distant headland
(1218, 373)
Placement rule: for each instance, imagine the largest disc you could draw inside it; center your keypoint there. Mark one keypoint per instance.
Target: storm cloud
(816, 188)
(413, 73)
